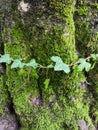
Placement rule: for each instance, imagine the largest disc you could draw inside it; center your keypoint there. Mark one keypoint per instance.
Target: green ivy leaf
(81, 66)
(56, 59)
(32, 63)
(62, 67)
(17, 64)
(87, 66)
(94, 56)
(84, 65)
(5, 59)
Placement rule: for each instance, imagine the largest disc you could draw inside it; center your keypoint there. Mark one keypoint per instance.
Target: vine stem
(76, 63)
(43, 67)
(70, 65)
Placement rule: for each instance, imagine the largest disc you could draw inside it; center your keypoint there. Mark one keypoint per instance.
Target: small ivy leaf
(56, 59)
(5, 59)
(87, 66)
(17, 64)
(81, 66)
(66, 68)
(81, 60)
(32, 63)
(84, 65)
(62, 66)
(46, 83)
(50, 66)
(94, 56)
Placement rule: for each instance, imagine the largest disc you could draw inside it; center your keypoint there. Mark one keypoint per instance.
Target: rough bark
(44, 29)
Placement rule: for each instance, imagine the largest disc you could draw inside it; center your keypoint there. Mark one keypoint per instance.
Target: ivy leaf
(17, 64)
(56, 59)
(84, 65)
(87, 66)
(5, 59)
(33, 64)
(62, 67)
(94, 56)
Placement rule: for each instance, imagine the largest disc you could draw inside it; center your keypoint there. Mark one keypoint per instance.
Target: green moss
(94, 5)
(83, 10)
(62, 104)
(87, 44)
(94, 91)
(4, 99)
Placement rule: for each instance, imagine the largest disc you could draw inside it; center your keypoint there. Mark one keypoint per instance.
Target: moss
(83, 10)
(4, 99)
(94, 91)
(93, 5)
(86, 39)
(62, 104)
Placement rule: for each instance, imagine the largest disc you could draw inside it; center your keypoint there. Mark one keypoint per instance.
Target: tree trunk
(86, 22)
(45, 29)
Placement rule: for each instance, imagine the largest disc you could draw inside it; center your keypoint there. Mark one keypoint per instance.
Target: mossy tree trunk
(42, 30)
(86, 22)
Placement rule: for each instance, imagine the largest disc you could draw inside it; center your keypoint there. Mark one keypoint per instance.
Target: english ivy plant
(32, 63)
(17, 64)
(83, 64)
(57, 65)
(60, 65)
(5, 59)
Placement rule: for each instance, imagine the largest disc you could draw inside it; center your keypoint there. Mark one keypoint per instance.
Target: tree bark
(86, 23)
(44, 29)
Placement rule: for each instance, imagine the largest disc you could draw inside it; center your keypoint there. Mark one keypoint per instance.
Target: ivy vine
(58, 64)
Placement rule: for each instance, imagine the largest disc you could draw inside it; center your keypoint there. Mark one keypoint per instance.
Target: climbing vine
(56, 63)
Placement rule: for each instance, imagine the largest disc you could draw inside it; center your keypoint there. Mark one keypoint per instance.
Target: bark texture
(41, 29)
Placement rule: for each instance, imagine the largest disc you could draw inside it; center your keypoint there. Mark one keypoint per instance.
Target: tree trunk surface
(42, 29)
